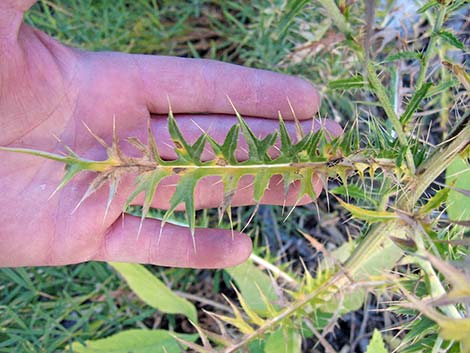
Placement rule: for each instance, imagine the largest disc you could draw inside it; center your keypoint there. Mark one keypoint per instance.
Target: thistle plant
(314, 154)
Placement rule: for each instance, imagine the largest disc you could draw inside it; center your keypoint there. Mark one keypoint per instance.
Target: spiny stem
(436, 164)
(441, 13)
(382, 96)
(338, 18)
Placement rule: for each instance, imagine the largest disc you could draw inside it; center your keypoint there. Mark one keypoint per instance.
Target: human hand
(48, 89)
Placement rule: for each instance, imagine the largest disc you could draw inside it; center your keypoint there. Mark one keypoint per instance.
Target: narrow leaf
(348, 83)
(368, 215)
(154, 292)
(135, 341)
(451, 39)
(414, 103)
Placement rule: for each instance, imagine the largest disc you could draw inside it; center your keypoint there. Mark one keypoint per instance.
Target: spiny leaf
(254, 317)
(95, 185)
(286, 142)
(260, 184)
(368, 215)
(184, 193)
(414, 103)
(150, 188)
(182, 148)
(435, 201)
(70, 171)
(225, 153)
(313, 153)
(451, 39)
(407, 55)
(348, 83)
(376, 344)
(258, 149)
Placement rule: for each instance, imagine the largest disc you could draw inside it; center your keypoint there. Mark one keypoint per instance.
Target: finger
(202, 86)
(213, 248)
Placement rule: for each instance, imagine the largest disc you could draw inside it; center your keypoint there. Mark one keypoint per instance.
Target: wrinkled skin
(48, 89)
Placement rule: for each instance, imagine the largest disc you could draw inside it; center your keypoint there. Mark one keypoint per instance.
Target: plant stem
(435, 286)
(441, 12)
(377, 241)
(338, 18)
(383, 98)
(436, 164)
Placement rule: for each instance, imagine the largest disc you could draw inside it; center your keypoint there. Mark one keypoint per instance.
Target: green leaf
(184, 193)
(182, 148)
(451, 39)
(376, 344)
(260, 184)
(435, 201)
(427, 6)
(251, 280)
(458, 204)
(258, 149)
(226, 151)
(147, 183)
(293, 7)
(413, 105)
(443, 86)
(368, 215)
(198, 147)
(135, 341)
(407, 55)
(185, 151)
(284, 341)
(355, 192)
(154, 292)
(286, 142)
(348, 83)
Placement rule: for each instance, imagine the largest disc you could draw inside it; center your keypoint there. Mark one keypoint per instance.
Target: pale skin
(48, 89)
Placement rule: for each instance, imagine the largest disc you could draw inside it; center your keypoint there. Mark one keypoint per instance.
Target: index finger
(203, 86)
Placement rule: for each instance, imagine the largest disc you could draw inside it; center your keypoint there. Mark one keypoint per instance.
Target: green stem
(338, 18)
(436, 164)
(435, 286)
(383, 98)
(377, 241)
(441, 12)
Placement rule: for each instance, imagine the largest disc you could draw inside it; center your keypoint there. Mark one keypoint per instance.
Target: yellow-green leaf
(135, 341)
(154, 292)
(376, 344)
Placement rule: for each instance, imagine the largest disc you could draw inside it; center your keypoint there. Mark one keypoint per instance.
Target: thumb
(173, 245)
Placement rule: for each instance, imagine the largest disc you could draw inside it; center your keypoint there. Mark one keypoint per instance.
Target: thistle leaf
(95, 185)
(368, 215)
(181, 148)
(70, 171)
(185, 194)
(260, 184)
(286, 142)
(150, 188)
(254, 317)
